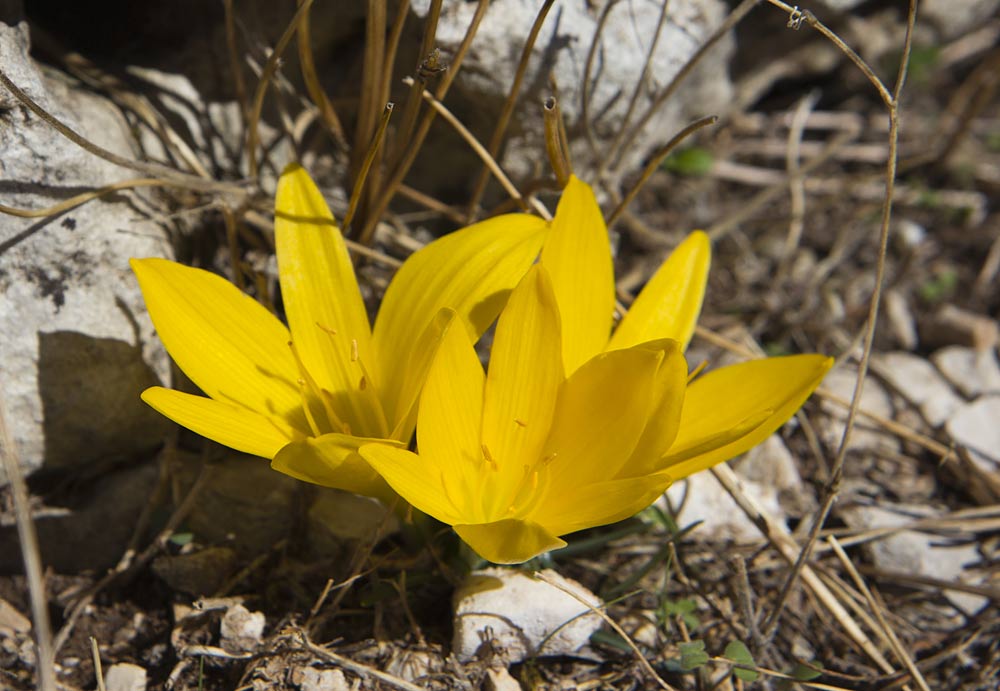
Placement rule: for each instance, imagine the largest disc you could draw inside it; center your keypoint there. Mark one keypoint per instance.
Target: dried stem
(270, 68)
(328, 116)
(555, 142)
(359, 183)
(654, 163)
(508, 107)
(833, 485)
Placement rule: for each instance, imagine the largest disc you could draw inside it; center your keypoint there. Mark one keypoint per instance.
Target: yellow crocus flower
(309, 394)
(573, 427)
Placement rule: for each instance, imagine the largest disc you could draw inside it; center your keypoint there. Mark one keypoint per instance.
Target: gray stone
(241, 630)
(915, 552)
(972, 371)
(561, 50)
(515, 613)
(874, 399)
(976, 426)
(76, 348)
(918, 382)
(311, 679)
(952, 18)
(768, 473)
(125, 676)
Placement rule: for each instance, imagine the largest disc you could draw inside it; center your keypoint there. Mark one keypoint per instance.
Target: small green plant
(742, 661)
(694, 162)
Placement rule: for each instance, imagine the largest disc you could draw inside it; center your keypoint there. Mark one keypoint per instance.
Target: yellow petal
(414, 375)
(230, 425)
(524, 376)
(665, 419)
(669, 305)
(451, 412)
(332, 460)
(510, 541)
(226, 342)
(470, 271)
(325, 311)
(577, 255)
(417, 479)
(601, 503)
(602, 410)
(752, 399)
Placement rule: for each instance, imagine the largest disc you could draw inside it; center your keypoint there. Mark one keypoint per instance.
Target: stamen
(489, 457)
(327, 330)
(363, 383)
(534, 481)
(313, 388)
(354, 350)
(548, 459)
(520, 423)
(303, 387)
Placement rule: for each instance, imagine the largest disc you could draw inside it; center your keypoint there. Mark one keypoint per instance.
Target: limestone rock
(241, 630)
(768, 473)
(874, 398)
(76, 347)
(125, 676)
(918, 382)
(976, 427)
(561, 50)
(515, 614)
(915, 552)
(972, 371)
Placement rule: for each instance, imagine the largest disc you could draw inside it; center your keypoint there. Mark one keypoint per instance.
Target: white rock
(241, 629)
(311, 679)
(561, 50)
(918, 382)
(955, 17)
(914, 552)
(516, 612)
(767, 472)
(501, 680)
(976, 426)
(972, 371)
(874, 398)
(76, 348)
(125, 676)
(900, 319)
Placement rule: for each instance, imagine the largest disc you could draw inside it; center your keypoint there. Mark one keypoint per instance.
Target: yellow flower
(570, 428)
(308, 395)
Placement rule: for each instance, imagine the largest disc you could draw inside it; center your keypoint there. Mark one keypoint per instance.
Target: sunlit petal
(600, 503)
(322, 301)
(752, 398)
(524, 376)
(226, 342)
(664, 421)
(231, 425)
(332, 460)
(577, 255)
(413, 376)
(669, 305)
(471, 271)
(418, 479)
(510, 541)
(451, 411)
(601, 412)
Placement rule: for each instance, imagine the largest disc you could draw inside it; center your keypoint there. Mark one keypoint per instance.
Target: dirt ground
(790, 185)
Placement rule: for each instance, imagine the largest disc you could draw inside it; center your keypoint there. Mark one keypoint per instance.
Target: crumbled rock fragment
(976, 426)
(515, 614)
(125, 676)
(901, 320)
(952, 325)
(915, 552)
(866, 436)
(499, 679)
(918, 382)
(241, 630)
(973, 372)
(311, 679)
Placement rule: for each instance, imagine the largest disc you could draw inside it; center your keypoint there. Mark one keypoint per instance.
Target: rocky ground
(175, 564)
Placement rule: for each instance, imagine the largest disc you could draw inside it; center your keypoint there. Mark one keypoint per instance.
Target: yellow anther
(520, 423)
(489, 457)
(354, 350)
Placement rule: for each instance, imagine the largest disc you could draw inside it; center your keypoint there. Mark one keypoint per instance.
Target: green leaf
(740, 655)
(693, 655)
(695, 161)
(181, 539)
(684, 609)
(804, 672)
